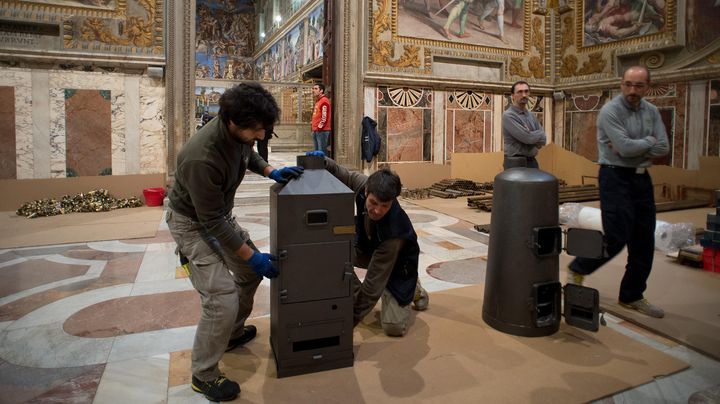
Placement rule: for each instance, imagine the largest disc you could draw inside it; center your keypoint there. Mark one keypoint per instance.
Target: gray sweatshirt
(210, 167)
(522, 133)
(630, 138)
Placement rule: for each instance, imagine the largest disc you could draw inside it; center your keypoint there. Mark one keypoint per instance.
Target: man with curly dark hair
(223, 263)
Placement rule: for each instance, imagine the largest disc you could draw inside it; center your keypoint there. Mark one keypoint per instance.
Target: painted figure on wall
(608, 21)
(224, 37)
(497, 23)
(105, 4)
(293, 52)
(314, 47)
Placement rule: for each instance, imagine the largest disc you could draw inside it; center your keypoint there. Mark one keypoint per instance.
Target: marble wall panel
(382, 132)
(487, 131)
(20, 80)
(61, 80)
(427, 135)
(7, 133)
(88, 132)
(40, 121)
(469, 131)
(672, 101)
(57, 133)
(449, 125)
(118, 130)
(584, 134)
(677, 148)
(713, 144)
(405, 134)
(40, 116)
(153, 145)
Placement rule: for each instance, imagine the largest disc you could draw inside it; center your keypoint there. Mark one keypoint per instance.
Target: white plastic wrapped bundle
(673, 236)
(668, 236)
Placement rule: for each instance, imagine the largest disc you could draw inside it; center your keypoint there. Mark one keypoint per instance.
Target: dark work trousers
(628, 217)
(530, 162)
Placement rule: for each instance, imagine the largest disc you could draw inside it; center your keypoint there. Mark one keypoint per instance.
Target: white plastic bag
(668, 236)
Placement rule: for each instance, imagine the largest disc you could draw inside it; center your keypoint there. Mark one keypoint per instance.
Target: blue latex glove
(261, 265)
(316, 153)
(285, 174)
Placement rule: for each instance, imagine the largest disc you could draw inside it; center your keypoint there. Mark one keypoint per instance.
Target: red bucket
(154, 196)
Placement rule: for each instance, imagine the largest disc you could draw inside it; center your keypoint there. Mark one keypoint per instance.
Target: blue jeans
(320, 140)
(627, 204)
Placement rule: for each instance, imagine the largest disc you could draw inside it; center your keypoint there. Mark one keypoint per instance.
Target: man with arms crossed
(630, 133)
(522, 134)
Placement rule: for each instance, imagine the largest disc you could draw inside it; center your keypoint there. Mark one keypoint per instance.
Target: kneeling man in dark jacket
(385, 244)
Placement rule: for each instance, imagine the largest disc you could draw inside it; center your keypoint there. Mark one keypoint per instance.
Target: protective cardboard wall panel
(706, 177)
(479, 167)
(17, 192)
(420, 175)
(571, 167)
(575, 169)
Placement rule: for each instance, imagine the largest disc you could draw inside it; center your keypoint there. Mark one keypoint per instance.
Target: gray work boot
(644, 307)
(421, 299)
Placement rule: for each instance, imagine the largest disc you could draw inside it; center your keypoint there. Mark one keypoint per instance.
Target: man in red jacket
(321, 119)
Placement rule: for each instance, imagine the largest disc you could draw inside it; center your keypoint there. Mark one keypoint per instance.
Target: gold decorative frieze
(595, 63)
(39, 9)
(141, 31)
(108, 26)
(383, 51)
(516, 68)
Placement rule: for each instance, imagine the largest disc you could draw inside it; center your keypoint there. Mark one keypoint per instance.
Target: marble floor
(113, 321)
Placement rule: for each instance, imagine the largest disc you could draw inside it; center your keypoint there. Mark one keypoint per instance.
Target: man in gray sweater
(630, 132)
(522, 134)
(224, 265)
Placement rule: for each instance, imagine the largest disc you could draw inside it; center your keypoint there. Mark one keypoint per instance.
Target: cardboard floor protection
(456, 207)
(119, 224)
(688, 295)
(451, 356)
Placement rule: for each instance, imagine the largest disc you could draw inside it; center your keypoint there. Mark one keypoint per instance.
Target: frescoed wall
(496, 23)
(287, 57)
(313, 44)
(224, 40)
(610, 21)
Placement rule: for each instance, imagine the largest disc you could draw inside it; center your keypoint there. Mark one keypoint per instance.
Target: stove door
(315, 271)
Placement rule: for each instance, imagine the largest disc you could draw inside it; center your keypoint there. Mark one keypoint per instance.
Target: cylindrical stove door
(522, 293)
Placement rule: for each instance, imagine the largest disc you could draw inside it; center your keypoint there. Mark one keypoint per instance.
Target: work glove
(261, 265)
(316, 153)
(285, 174)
